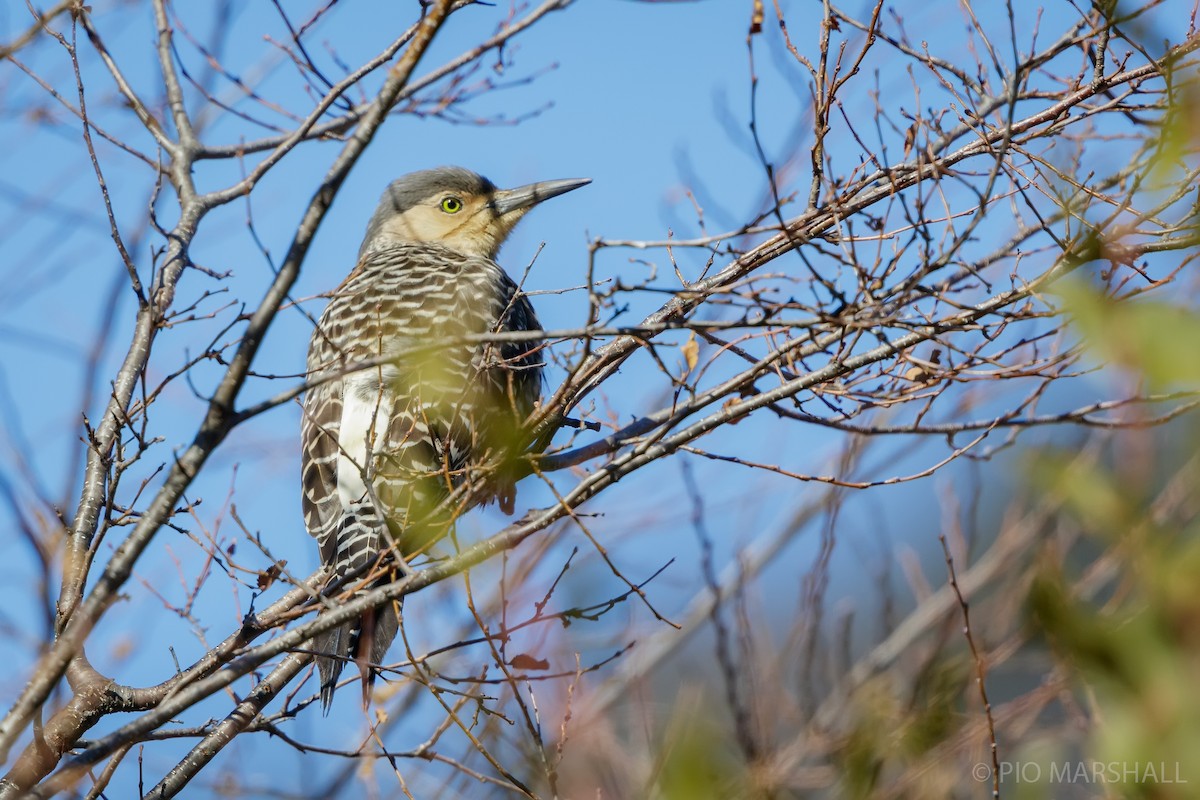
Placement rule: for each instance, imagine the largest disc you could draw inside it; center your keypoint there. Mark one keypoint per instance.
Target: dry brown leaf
(728, 404)
(269, 575)
(691, 352)
(523, 661)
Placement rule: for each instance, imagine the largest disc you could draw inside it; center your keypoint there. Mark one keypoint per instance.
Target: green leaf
(1159, 340)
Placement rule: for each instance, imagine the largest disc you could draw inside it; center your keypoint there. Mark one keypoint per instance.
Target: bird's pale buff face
(467, 222)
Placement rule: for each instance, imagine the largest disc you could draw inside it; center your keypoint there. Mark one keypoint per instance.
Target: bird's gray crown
(409, 190)
(404, 193)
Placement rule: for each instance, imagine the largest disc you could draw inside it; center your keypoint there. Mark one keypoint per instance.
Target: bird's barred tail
(361, 539)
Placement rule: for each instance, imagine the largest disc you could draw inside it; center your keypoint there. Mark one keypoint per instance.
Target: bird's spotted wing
(319, 430)
(517, 382)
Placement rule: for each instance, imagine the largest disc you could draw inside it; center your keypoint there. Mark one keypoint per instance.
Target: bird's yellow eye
(451, 205)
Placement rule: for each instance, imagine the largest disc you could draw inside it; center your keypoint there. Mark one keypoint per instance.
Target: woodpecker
(401, 408)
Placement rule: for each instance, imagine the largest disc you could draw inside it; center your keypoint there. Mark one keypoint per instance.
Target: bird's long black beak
(523, 198)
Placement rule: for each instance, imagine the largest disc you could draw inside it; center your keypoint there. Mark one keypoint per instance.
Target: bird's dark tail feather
(364, 641)
(361, 538)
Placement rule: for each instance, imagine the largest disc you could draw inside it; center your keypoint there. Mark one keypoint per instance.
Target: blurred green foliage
(1153, 338)
(696, 761)
(1123, 624)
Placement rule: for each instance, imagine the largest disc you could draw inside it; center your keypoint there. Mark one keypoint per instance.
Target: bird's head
(455, 207)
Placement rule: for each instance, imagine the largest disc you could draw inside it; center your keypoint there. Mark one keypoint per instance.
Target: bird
(400, 408)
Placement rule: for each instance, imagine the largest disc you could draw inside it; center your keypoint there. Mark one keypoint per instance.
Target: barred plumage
(405, 407)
